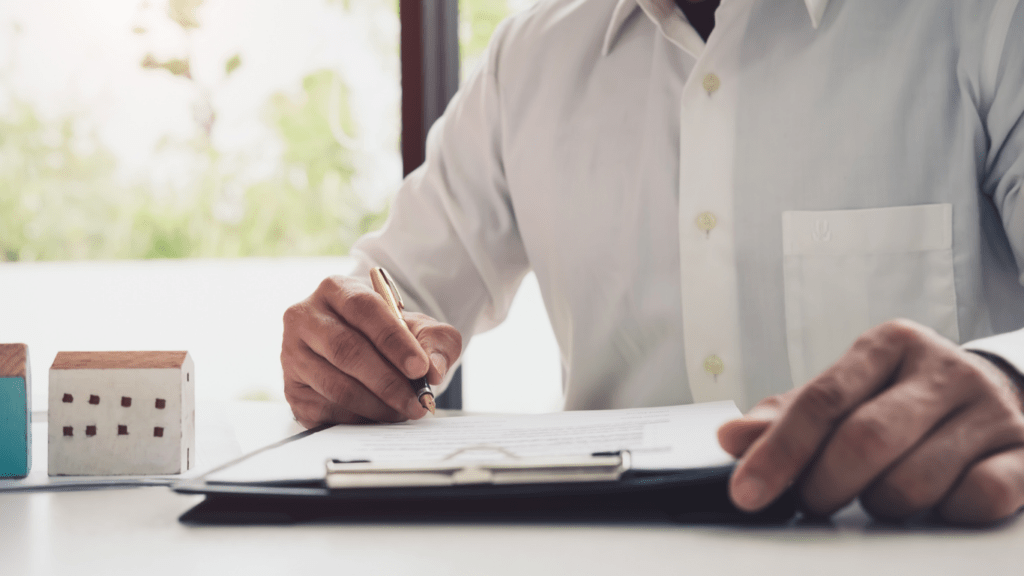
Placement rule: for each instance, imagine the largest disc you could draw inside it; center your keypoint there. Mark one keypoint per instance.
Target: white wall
(227, 314)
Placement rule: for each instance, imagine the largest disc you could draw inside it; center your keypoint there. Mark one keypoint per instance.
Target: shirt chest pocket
(848, 270)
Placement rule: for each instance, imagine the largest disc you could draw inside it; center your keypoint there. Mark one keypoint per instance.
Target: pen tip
(427, 400)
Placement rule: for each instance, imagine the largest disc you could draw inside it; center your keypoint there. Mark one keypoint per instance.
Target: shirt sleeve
(451, 241)
(1004, 178)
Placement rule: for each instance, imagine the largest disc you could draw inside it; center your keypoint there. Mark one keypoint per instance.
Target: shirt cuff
(1009, 347)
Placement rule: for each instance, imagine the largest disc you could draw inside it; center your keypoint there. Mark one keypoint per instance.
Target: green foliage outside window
(61, 199)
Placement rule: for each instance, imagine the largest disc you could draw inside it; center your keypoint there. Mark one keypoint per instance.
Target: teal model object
(15, 428)
(15, 411)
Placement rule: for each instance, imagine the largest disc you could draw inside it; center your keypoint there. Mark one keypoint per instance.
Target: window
(174, 130)
(138, 129)
(170, 130)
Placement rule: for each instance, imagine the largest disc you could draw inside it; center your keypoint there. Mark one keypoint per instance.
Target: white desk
(136, 531)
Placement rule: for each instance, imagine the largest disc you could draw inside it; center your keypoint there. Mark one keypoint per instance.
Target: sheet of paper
(664, 438)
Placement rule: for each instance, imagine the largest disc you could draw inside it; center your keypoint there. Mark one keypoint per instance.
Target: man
(812, 207)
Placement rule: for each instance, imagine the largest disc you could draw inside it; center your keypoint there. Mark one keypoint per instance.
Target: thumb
(442, 343)
(736, 436)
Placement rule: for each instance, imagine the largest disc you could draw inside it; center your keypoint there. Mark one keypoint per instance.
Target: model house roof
(117, 360)
(12, 360)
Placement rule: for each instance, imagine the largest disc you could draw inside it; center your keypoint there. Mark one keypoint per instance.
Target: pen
(385, 286)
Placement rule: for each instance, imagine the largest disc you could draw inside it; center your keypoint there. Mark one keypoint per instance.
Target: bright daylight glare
(140, 139)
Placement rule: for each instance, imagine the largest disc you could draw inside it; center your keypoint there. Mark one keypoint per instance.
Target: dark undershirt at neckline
(701, 15)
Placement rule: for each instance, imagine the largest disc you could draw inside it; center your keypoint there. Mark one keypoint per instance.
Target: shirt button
(706, 221)
(711, 83)
(713, 365)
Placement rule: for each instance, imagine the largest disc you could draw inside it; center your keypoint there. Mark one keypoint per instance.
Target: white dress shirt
(721, 221)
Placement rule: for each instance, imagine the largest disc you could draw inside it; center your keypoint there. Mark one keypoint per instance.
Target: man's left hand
(905, 420)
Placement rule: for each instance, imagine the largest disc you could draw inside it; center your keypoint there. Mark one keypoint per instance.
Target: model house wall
(114, 413)
(15, 411)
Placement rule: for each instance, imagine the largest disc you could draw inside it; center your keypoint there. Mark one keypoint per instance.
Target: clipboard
(601, 487)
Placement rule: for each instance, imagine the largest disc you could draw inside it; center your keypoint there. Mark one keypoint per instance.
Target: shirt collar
(658, 10)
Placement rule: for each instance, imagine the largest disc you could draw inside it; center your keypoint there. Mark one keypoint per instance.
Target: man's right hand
(348, 359)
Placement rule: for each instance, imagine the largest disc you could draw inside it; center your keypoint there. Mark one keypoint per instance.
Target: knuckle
(290, 315)
(347, 350)
(330, 284)
(294, 316)
(867, 440)
(875, 347)
(825, 397)
(356, 303)
(901, 330)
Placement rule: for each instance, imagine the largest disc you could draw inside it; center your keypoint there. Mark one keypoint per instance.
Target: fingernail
(439, 362)
(748, 493)
(415, 366)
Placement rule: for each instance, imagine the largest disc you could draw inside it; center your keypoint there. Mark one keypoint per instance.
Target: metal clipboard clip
(597, 467)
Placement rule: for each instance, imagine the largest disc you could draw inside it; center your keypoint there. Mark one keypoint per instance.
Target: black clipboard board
(697, 495)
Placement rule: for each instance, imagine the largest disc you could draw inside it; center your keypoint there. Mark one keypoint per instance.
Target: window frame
(429, 51)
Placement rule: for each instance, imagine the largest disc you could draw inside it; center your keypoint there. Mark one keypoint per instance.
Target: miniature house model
(121, 413)
(15, 411)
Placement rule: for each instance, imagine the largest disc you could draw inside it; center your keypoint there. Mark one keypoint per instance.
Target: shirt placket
(711, 328)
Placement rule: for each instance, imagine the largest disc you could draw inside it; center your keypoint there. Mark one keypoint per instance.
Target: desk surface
(136, 531)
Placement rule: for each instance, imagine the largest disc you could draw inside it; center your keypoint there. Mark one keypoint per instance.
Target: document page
(663, 438)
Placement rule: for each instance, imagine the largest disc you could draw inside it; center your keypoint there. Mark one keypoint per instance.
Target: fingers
(351, 353)
(441, 342)
(737, 435)
(778, 456)
(927, 474)
(367, 312)
(992, 490)
(876, 435)
(335, 389)
(311, 409)
(347, 357)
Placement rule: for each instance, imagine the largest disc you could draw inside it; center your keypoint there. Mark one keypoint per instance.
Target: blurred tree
(61, 198)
